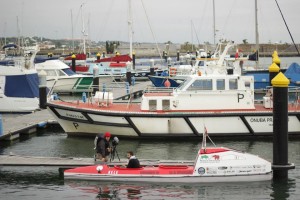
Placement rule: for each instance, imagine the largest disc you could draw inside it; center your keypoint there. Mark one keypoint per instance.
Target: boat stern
(227, 162)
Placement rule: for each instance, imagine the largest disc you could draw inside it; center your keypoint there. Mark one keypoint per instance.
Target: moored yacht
(222, 103)
(60, 77)
(19, 83)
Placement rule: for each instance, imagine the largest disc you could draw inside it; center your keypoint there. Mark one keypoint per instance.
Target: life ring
(173, 71)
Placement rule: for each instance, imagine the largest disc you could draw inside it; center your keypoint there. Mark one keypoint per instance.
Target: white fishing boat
(178, 73)
(60, 77)
(19, 83)
(212, 164)
(223, 103)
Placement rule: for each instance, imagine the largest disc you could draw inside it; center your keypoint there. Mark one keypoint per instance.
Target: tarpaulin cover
(26, 86)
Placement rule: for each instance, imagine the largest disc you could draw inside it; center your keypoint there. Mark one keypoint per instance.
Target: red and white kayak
(217, 164)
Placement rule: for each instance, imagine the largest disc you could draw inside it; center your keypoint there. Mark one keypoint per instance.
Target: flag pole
(205, 134)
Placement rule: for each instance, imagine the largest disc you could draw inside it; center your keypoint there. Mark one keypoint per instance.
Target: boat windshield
(184, 83)
(69, 72)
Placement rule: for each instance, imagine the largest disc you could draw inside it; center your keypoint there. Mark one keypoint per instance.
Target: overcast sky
(170, 20)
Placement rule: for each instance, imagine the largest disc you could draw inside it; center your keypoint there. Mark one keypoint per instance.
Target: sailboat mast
(19, 40)
(256, 35)
(214, 22)
(4, 34)
(130, 32)
(192, 35)
(72, 32)
(83, 29)
(88, 36)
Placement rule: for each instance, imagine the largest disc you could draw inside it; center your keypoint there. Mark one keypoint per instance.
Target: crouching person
(103, 147)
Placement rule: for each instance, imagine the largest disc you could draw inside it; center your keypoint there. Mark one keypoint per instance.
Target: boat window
(220, 84)
(201, 63)
(69, 72)
(247, 84)
(166, 104)
(184, 83)
(203, 84)
(233, 84)
(61, 73)
(152, 105)
(50, 72)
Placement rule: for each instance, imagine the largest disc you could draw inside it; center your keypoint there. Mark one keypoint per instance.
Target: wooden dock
(27, 124)
(69, 162)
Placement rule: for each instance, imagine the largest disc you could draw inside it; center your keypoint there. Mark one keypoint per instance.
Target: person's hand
(109, 150)
(103, 159)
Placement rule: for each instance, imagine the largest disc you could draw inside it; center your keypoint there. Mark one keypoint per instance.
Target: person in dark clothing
(103, 147)
(133, 161)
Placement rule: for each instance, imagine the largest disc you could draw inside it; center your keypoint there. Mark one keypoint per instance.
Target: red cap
(107, 134)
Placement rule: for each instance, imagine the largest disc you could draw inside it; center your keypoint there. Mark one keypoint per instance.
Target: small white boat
(213, 164)
(61, 78)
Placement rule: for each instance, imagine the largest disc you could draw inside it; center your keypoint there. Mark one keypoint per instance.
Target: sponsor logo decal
(74, 116)
(261, 119)
(201, 170)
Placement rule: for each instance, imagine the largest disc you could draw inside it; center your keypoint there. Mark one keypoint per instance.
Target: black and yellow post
(95, 79)
(73, 62)
(280, 127)
(133, 60)
(128, 72)
(117, 54)
(98, 56)
(151, 67)
(273, 71)
(42, 89)
(165, 56)
(276, 59)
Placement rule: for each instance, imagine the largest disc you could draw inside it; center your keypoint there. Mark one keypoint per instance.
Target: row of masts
(130, 28)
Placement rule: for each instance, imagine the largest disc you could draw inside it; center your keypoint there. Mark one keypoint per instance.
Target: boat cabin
(55, 69)
(203, 93)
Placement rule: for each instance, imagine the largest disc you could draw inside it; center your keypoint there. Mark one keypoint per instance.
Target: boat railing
(151, 89)
(293, 94)
(15, 63)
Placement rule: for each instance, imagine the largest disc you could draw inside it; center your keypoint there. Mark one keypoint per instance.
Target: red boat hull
(159, 170)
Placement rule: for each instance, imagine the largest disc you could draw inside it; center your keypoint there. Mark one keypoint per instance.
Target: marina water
(45, 183)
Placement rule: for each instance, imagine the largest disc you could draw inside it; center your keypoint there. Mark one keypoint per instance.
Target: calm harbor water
(45, 183)
(265, 62)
